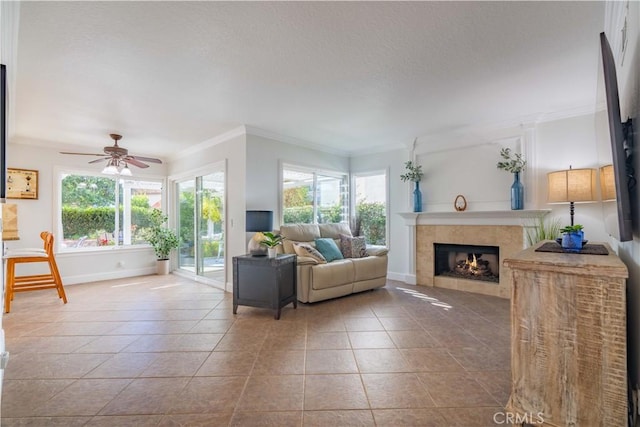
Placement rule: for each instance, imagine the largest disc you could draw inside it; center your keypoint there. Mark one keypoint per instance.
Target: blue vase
(517, 193)
(572, 241)
(417, 198)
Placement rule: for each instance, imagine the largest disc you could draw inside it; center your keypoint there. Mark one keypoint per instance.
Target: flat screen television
(616, 167)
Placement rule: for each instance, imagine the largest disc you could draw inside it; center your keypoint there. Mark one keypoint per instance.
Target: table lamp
(571, 186)
(258, 222)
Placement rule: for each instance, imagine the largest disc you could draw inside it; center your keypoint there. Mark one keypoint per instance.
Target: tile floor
(166, 351)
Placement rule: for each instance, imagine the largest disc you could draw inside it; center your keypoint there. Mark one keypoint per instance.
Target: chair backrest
(47, 238)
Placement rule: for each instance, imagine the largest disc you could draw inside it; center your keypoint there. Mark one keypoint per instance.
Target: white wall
(264, 156)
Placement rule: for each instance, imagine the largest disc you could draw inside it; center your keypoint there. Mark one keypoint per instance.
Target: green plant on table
(543, 229)
(572, 228)
(271, 240)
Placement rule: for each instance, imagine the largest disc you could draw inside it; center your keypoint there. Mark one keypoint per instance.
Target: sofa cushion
(368, 268)
(377, 250)
(333, 274)
(293, 233)
(306, 250)
(334, 230)
(352, 247)
(328, 248)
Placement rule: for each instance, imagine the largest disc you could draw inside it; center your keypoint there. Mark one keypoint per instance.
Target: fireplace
(472, 262)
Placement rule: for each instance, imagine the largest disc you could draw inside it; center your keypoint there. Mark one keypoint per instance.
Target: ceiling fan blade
(99, 160)
(146, 159)
(130, 160)
(82, 154)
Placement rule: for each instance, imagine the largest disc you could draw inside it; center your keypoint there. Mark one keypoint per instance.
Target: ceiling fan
(118, 158)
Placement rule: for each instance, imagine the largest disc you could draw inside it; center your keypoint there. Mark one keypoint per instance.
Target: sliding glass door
(201, 214)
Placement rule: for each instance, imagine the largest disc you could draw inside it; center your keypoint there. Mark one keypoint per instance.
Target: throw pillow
(305, 249)
(328, 248)
(353, 247)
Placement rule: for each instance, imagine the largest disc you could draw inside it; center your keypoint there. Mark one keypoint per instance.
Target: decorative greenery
(271, 240)
(543, 230)
(159, 236)
(414, 172)
(571, 228)
(513, 164)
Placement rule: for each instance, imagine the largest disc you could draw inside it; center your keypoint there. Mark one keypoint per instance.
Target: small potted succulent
(271, 241)
(572, 238)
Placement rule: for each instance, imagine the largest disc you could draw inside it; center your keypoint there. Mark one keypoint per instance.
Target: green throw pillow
(328, 248)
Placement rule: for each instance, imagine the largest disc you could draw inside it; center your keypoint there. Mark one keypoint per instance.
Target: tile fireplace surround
(504, 229)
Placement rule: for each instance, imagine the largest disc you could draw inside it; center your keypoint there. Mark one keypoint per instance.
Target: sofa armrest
(305, 260)
(376, 250)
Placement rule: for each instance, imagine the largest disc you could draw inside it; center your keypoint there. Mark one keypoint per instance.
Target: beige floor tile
(228, 363)
(45, 421)
(294, 341)
(341, 391)
(157, 327)
(444, 395)
(328, 341)
(174, 342)
(389, 311)
(45, 366)
(322, 324)
(409, 418)
(380, 361)
(209, 394)
(330, 362)
(388, 391)
(83, 397)
(275, 362)
(370, 339)
(480, 358)
(497, 383)
(474, 417)
(241, 342)
(273, 393)
(413, 339)
(352, 418)
(175, 364)
(20, 398)
(267, 419)
(146, 396)
(55, 344)
(217, 419)
(430, 360)
(108, 344)
(123, 365)
(362, 324)
(125, 421)
(399, 324)
(211, 326)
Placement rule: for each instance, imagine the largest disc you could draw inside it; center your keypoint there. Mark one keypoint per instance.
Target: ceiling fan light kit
(118, 158)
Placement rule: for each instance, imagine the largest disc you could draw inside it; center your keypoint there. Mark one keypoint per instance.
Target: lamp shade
(259, 221)
(571, 185)
(607, 183)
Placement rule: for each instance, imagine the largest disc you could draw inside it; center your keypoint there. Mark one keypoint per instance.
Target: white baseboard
(409, 279)
(96, 277)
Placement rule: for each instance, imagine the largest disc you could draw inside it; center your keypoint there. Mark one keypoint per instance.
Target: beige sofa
(317, 282)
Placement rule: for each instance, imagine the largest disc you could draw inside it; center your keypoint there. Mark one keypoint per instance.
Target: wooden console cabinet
(568, 339)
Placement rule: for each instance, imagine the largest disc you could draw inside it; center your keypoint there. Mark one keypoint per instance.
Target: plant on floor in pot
(572, 238)
(271, 241)
(162, 239)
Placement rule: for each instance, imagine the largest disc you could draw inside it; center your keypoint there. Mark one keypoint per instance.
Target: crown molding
(255, 131)
(211, 142)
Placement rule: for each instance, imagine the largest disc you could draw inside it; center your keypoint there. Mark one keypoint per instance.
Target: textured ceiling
(351, 77)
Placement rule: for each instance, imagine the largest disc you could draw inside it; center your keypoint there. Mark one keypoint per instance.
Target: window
(370, 192)
(310, 196)
(89, 204)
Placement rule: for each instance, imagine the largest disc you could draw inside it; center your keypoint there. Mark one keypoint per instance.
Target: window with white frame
(99, 211)
(313, 196)
(370, 206)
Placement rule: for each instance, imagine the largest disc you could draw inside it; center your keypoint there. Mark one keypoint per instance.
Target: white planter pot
(162, 267)
(273, 252)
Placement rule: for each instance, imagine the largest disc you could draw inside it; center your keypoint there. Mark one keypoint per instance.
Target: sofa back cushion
(328, 248)
(298, 233)
(334, 230)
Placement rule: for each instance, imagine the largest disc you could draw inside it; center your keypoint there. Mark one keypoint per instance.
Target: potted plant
(414, 174)
(515, 165)
(572, 238)
(271, 241)
(162, 239)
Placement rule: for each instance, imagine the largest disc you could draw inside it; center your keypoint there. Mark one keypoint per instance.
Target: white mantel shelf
(510, 217)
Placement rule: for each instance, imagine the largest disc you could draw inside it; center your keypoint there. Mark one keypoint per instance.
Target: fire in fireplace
(472, 262)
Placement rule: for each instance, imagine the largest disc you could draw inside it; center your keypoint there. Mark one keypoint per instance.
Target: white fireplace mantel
(510, 217)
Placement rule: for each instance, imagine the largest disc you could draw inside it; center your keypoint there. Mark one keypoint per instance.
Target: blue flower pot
(572, 242)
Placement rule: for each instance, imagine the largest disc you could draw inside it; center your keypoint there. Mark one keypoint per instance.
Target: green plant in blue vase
(572, 238)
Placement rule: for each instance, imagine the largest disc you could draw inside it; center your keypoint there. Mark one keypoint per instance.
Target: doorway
(201, 227)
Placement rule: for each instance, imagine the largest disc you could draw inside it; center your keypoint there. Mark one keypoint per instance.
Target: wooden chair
(51, 280)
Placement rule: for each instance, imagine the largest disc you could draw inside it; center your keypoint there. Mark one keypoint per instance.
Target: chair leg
(11, 268)
(58, 280)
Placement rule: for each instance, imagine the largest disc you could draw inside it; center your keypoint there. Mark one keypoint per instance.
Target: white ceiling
(347, 76)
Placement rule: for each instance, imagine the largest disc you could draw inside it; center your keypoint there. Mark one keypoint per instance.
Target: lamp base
(258, 252)
(255, 248)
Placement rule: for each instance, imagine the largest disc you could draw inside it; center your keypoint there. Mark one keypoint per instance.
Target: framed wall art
(22, 184)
